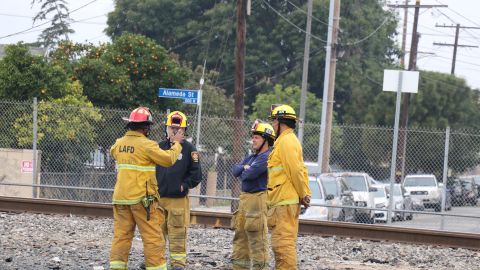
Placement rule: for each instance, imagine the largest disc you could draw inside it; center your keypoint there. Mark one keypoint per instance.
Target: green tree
(125, 73)
(66, 134)
(206, 30)
(215, 101)
(289, 95)
(60, 21)
(24, 76)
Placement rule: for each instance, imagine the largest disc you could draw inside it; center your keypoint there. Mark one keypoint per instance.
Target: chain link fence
(73, 161)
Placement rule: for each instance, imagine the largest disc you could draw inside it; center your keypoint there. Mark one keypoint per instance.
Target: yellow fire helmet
(176, 119)
(263, 129)
(283, 112)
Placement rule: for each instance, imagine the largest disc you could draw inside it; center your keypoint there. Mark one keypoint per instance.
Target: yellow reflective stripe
(126, 202)
(136, 167)
(161, 267)
(118, 265)
(275, 169)
(287, 202)
(178, 256)
(241, 263)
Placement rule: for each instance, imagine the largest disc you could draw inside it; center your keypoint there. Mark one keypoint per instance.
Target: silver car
(328, 195)
(342, 196)
(401, 201)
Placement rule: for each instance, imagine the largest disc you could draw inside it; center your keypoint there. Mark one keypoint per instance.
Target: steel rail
(222, 220)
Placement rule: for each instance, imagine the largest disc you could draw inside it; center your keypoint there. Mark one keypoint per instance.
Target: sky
(439, 58)
(90, 21)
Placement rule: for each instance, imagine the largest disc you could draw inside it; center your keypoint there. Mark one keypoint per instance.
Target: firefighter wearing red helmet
(173, 186)
(135, 197)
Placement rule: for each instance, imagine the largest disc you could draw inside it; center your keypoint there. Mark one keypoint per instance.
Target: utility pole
(455, 44)
(412, 64)
(404, 34)
(238, 128)
(329, 86)
(306, 58)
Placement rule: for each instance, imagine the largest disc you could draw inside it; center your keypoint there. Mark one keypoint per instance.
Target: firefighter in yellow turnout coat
(287, 188)
(250, 243)
(135, 197)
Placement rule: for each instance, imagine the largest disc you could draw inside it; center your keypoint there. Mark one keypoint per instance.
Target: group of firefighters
(153, 181)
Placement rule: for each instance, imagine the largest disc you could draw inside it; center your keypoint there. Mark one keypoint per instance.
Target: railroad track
(222, 220)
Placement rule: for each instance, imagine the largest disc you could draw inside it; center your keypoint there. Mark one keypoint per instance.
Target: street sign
(188, 96)
(190, 101)
(409, 83)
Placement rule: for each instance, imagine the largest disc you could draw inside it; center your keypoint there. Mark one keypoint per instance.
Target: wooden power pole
(238, 128)
(455, 44)
(412, 65)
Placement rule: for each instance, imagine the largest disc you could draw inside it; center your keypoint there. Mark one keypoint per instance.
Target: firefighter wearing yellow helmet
(250, 244)
(287, 187)
(135, 197)
(173, 186)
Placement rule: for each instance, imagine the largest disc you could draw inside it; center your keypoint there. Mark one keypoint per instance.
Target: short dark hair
(270, 141)
(138, 125)
(289, 122)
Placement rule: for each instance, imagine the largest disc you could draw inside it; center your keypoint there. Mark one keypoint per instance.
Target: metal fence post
(393, 165)
(34, 161)
(445, 172)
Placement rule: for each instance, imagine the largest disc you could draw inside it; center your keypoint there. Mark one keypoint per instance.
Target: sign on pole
(188, 96)
(397, 81)
(409, 83)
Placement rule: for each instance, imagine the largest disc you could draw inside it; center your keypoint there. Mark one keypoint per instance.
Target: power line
(475, 23)
(223, 46)
(368, 36)
(305, 12)
(291, 23)
(48, 21)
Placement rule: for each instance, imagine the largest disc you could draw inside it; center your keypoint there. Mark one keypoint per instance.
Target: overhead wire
(305, 12)
(459, 14)
(368, 36)
(223, 46)
(46, 22)
(291, 23)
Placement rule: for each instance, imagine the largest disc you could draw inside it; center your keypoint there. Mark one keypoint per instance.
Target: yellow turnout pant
(250, 243)
(283, 223)
(125, 217)
(177, 220)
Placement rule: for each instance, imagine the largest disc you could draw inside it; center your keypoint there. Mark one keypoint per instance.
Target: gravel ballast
(36, 241)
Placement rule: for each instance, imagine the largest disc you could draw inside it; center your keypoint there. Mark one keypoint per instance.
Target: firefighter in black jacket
(173, 185)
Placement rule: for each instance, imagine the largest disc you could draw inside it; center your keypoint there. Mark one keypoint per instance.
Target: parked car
(457, 192)
(318, 197)
(337, 187)
(425, 189)
(363, 194)
(401, 201)
(476, 178)
(470, 190)
(381, 202)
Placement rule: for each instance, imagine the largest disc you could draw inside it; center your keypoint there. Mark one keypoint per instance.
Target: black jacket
(186, 172)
